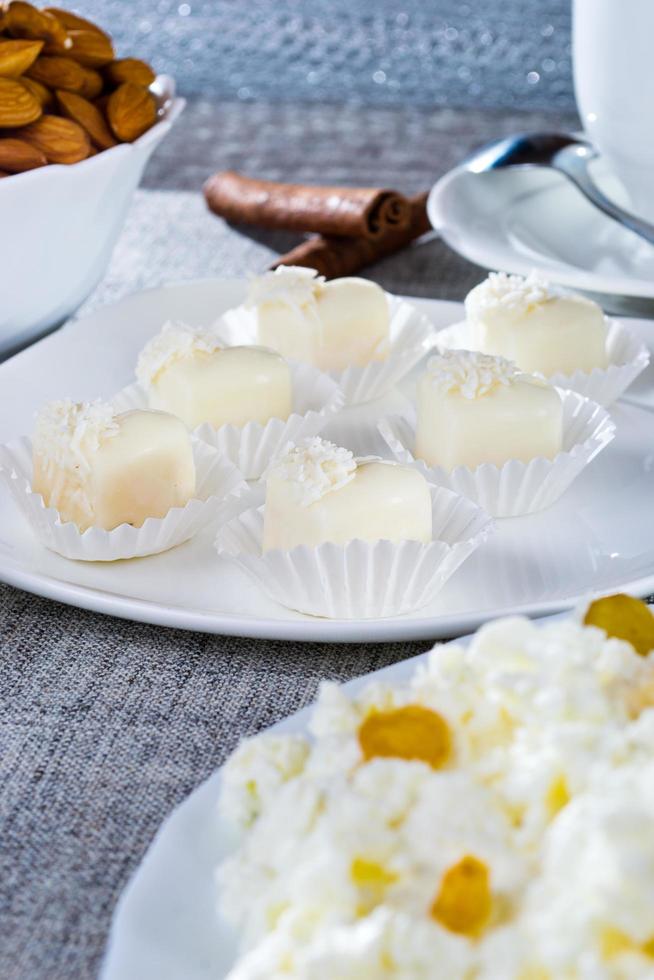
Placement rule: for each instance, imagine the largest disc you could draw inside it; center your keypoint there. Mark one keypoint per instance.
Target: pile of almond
(64, 95)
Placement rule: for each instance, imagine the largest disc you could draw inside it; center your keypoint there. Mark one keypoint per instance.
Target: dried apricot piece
(412, 732)
(624, 618)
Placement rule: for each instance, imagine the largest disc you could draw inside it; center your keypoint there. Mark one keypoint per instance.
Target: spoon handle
(574, 161)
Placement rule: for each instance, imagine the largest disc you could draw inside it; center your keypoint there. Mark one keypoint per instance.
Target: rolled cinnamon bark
(334, 257)
(362, 212)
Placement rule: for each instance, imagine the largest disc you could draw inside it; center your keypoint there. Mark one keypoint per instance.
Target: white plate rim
(308, 630)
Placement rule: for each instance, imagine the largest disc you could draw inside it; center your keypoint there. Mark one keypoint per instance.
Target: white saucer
(165, 924)
(518, 220)
(598, 536)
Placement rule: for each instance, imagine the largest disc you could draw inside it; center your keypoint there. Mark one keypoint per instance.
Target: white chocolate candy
(318, 492)
(328, 324)
(475, 409)
(189, 372)
(541, 330)
(100, 469)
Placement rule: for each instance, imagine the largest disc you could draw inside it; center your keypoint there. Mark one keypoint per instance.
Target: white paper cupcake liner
(627, 357)
(219, 488)
(358, 580)
(516, 488)
(316, 399)
(412, 334)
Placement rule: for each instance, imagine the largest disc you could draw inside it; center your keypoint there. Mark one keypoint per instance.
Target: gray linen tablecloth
(106, 725)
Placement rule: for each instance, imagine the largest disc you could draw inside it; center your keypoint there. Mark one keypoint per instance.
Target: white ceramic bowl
(59, 226)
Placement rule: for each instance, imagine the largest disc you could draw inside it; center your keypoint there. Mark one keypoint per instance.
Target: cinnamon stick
(333, 256)
(362, 212)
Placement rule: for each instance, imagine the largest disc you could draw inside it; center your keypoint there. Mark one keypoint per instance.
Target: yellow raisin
(624, 618)
(614, 942)
(464, 901)
(411, 732)
(558, 796)
(371, 873)
(372, 879)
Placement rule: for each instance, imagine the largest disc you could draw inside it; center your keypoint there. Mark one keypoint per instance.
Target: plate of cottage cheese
(485, 810)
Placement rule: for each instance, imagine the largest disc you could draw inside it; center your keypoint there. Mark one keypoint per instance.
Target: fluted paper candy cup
(219, 485)
(316, 399)
(411, 336)
(627, 358)
(516, 488)
(358, 580)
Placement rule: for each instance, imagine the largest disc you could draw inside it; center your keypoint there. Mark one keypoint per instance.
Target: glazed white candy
(190, 372)
(328, 324)
(550, 784)
(541, 329)
(318, 492)
(102, 469)
(473, 409)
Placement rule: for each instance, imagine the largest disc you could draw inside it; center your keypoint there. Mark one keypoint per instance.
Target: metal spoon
(570, 156)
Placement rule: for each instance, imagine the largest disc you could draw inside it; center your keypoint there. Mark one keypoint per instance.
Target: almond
(17, 155)
(93, 83)
(129, 70)
(131, 111)
(101, 102)
(17, 106)
(57, 49)
(88, 117)
(17, 56)
(56, 72)
(38, 90)
(3, 173)
(73, 22)
(90, 48)
(62, 140)
(24, 20)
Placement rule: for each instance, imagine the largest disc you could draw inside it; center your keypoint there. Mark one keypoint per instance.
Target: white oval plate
(518, 220)
(165, 924)
(598, 536)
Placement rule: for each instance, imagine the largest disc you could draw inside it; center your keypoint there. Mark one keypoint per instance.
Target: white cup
(613, 58)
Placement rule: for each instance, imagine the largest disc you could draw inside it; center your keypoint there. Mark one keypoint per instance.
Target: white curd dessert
(190, 372)
(540, 328)
(489, 818)
(473, 408)
(102, 469)
(331, 325)
(317, 492)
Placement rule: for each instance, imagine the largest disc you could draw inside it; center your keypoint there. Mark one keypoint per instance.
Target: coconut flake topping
(291, 285)
(174, 342)
(67, 433)
(469, 373)
(516, 294)
(314, 467)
